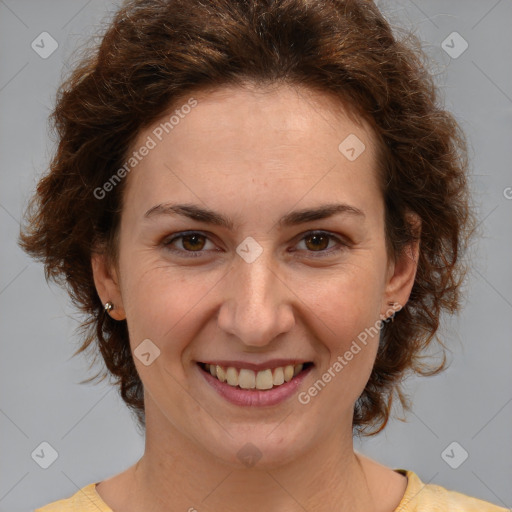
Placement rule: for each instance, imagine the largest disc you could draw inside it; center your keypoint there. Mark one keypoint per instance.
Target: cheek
(164, 304)
(349, 332)
(348, 299)
(348, 309)
(344, 315)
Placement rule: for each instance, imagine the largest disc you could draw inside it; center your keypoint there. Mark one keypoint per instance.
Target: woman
(261, 208)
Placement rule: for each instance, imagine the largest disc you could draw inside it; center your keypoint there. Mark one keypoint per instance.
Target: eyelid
(341, 241)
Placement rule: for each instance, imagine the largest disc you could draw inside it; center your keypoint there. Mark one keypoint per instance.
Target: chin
(264, 447)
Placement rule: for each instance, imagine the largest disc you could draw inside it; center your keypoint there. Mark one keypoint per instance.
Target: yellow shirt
(418, 497)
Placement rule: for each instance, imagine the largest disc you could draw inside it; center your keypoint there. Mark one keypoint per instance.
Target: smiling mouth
(248, 379)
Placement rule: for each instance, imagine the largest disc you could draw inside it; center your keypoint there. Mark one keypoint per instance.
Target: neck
(176, 474)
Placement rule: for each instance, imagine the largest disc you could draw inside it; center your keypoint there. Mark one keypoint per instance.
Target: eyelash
(195, 254)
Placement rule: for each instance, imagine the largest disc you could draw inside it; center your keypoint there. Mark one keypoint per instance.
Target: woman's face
(247, 285)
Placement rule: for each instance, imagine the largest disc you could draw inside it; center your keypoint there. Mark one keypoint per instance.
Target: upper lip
(271, 364)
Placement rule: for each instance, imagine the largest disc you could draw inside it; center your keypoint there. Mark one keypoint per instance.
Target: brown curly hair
(154, 52)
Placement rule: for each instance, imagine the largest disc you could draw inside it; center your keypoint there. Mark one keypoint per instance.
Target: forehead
(259, 113)
(242, 138)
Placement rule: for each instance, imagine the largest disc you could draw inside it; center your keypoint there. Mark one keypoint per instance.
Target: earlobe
(107, 286)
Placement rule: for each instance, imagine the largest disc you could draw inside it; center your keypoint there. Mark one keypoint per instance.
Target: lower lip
(255, 397)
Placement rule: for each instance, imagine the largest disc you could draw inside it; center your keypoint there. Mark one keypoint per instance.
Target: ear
(402, 271)
(107, 284)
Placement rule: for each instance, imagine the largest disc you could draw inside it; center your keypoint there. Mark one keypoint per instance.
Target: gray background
(88, 425)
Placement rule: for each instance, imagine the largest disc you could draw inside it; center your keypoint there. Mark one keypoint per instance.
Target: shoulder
(84, 500)
(420, 497)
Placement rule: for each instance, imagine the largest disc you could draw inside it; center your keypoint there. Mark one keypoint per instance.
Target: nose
(256, 307)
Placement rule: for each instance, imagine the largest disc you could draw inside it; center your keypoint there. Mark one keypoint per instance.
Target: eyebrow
(296, 217)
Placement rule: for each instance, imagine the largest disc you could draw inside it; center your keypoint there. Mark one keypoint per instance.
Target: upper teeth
(248, 379)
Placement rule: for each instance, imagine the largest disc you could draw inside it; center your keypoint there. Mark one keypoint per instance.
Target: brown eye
(192, 243)
(319, 242)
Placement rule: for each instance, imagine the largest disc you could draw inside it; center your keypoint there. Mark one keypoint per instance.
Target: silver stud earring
(108, 307)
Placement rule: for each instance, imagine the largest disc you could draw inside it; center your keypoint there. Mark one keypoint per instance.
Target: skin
(254, 155)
